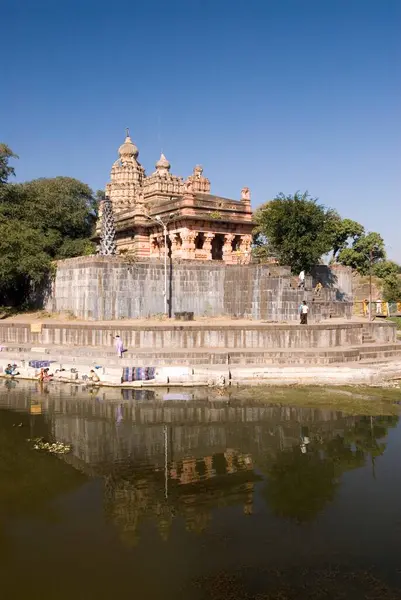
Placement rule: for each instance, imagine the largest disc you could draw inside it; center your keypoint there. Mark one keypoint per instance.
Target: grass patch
(355, 400)
(397, 321)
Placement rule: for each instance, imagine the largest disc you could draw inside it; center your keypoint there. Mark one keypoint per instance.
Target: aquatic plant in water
(51, 447)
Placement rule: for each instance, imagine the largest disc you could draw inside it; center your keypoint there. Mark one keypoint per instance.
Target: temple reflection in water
(171, 455)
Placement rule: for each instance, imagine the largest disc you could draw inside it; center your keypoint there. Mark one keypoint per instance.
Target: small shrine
(141, 212)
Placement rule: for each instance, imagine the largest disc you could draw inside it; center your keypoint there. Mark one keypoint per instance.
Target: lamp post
(158, 219)
(370, 283)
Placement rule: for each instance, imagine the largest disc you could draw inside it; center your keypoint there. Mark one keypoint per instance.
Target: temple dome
(162, 163)
(128, 148)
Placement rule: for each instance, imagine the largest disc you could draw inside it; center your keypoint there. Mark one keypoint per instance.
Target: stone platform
(207, 336)
(209, 353)
(371, 353)
(229, 343)
(111, 287)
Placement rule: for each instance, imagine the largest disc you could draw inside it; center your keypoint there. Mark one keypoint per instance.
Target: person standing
(304, 309)
(301, 280)
(119, 346)
(365, 307)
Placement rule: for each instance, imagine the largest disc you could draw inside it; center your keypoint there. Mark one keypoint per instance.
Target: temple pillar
(188, 243)
(207, 245)
(160, 241)
(227, 248)
(141, 244)
(176, 245)
(154, 250)
(245, 248)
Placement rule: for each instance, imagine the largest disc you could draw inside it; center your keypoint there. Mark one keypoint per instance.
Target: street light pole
(370, 284)
(159, 220)
(165, 267)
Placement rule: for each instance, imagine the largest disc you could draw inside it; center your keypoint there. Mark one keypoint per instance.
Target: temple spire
(126, 132)
(162, 165)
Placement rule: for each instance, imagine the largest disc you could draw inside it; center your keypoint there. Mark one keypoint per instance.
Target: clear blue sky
(278, 95)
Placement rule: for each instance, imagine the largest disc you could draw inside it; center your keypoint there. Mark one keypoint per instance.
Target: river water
(194, 494)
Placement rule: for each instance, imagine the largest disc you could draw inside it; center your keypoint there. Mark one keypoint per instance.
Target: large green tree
(367, 250)
(388, 271)
(345, 232)
(40, 221)
(5, 168)
(298, 230)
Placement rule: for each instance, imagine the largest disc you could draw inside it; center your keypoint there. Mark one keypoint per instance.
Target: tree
(261, 249)
(24, 262)
(385, 268)
(367, 250)
(388, 271)
(392, 289)
(5, 170)
(99, 196)
(299, 231)
(40, 221)
(344, 232)
(62, 204)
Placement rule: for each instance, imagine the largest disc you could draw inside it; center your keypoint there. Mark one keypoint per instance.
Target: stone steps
(202, 356)
(368, 339)
(380, 354)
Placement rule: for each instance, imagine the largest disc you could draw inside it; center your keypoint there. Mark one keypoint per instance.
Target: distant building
(200, 226)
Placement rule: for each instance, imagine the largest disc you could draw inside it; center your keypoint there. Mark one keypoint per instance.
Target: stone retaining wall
(107, 288)
(196, 336)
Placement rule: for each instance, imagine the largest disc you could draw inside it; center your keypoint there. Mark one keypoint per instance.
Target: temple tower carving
(126, 178)
(200, 225)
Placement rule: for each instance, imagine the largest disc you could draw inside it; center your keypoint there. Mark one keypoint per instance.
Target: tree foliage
(367, 249)
(345, 231)
(40, 220)
(298, 230)
(261, 249)
(5, 169)
(388, 271)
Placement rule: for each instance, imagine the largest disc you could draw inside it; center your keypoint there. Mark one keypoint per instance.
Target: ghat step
(368, 339)
(202, 356)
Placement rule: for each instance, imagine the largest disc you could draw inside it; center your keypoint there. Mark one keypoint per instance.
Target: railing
(378, 308)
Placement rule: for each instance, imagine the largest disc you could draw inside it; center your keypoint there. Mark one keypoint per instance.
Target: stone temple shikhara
(200, 225)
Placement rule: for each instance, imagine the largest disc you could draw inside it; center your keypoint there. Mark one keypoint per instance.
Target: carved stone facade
(197, 224)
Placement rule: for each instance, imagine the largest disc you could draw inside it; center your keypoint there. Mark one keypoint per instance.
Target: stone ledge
(339, 374)
(119, 325)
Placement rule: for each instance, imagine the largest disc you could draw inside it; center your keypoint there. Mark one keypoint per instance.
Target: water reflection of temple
(168, 460)
(189, 489)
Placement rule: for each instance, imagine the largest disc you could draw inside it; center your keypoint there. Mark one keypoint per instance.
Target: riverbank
(71, 370)
(209, 353)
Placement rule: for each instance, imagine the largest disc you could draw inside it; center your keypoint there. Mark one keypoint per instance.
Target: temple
(149, 209)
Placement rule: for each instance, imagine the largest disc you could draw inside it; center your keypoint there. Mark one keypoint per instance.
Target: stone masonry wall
(108, 288)
(337, 278)
(195, 335)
